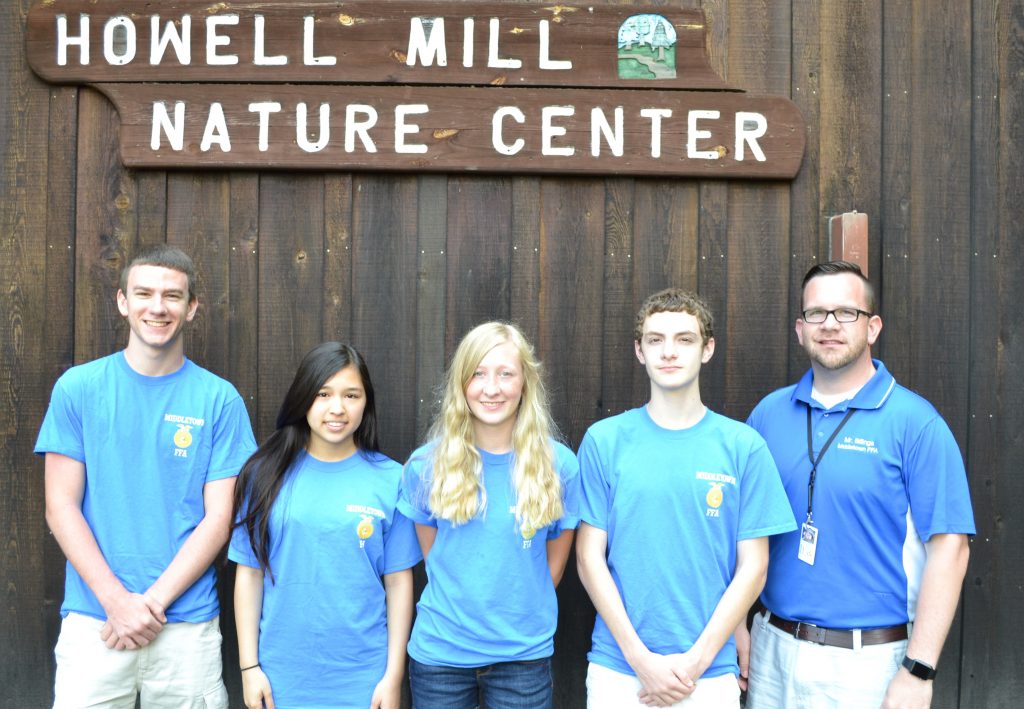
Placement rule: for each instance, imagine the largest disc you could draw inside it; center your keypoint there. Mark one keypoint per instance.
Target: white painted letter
(496, 138)
(467, 42)
(309, 57)
(493, 60)
(301, 129)
(109, 50)
(403, 129)
(259, 51)
(750, 136)
(656, 114)
(175, 131)
(549, 131)
(693, 134)
(182, 42)
(426, 50)
(216, 130)
(64, 41)
(264, 108)
(599, 126)
(545, 50)
(353, 126)
(214, 40)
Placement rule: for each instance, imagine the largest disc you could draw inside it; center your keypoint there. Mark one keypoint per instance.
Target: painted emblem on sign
(647, 48)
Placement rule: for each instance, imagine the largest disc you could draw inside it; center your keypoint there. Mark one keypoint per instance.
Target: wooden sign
(496, 87)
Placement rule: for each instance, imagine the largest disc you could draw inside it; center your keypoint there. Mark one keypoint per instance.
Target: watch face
(919, 669)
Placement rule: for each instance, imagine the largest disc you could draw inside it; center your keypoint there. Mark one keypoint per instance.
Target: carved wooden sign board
(422, 86)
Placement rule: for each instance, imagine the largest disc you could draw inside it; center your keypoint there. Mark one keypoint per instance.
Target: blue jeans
(503, 685)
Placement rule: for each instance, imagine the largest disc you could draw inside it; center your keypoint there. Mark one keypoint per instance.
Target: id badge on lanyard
(808, 532)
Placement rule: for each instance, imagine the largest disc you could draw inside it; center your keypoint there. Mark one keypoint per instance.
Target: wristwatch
(919, 669)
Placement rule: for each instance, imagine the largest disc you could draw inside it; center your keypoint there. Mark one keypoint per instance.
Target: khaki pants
(180, 669)
(608, 689)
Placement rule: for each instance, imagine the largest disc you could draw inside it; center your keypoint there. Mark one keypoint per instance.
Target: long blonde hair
(456, 491)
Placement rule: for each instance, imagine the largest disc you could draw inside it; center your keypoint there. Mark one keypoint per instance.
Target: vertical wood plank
(619, 302)
(431, 240)
(58, 345)
(291, 306)
(990, 655)
(479, 253)
(758, 232)
(384, 300)
(26, 368)
(572, 264)
(337, 257)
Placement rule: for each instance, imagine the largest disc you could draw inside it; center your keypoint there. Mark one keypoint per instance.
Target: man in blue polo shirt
(875, 477)
(678, 503)
(142, 448)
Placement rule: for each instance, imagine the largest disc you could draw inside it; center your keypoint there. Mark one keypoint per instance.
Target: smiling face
(494, 391)
(672, 350)
(335, 415)
(157, 306)
(834, 346)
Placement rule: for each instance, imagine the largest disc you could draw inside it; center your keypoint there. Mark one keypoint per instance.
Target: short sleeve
(940, 501)
(233, 441)
(415, 491)
(61, 431)
(765, 510)
(595, 497)
(401, 545)
(240, 549)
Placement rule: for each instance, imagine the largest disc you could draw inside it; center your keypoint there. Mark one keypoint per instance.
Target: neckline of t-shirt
(677, 432)
(147, 380)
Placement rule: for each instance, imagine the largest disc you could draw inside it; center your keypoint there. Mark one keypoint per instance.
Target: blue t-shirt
(891, 479)
(334, 532)
(674, 504)
(149, 445)
(489, 596)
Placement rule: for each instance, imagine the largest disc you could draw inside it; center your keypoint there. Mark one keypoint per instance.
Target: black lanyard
(821, 454)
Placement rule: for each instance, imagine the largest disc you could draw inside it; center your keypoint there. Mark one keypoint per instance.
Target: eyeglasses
(816, 316)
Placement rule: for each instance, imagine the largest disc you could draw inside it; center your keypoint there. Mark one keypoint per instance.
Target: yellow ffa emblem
(182, 437)
(714, 497)
(528, 532)
(365, 529)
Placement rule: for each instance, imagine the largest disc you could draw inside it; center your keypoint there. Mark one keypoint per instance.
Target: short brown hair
(166, 257)
(675, 300)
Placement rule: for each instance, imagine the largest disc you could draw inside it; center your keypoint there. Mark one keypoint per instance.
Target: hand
(742, 635)
(133, 621)
(908, 692)
(666, 679)
(256, 689)
(387, 694)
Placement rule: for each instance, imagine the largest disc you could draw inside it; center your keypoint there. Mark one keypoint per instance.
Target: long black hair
(263, 475)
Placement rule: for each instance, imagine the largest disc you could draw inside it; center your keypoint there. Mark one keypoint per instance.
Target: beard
(832, 358)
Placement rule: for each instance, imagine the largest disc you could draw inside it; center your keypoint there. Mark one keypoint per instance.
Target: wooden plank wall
(913, 112)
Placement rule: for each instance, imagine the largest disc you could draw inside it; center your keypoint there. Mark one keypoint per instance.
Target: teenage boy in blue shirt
(875, 477)
(142, 448)
(678, 502)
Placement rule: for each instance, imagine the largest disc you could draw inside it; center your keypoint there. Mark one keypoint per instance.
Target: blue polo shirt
(891, 479)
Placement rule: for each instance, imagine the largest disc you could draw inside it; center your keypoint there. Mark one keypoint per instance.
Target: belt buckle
(810, 632)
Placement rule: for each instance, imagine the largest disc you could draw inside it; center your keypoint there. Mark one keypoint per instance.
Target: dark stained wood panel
(912, 114)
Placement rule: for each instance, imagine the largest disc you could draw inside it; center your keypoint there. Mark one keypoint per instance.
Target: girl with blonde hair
(494, 499)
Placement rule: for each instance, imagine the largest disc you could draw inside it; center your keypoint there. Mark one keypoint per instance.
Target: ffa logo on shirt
(364, 530)
(716, 494)
(183, 436)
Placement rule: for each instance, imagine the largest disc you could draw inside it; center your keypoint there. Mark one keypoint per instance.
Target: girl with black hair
(323, 588)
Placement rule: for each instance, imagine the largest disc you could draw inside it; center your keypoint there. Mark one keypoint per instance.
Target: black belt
(835, 638)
